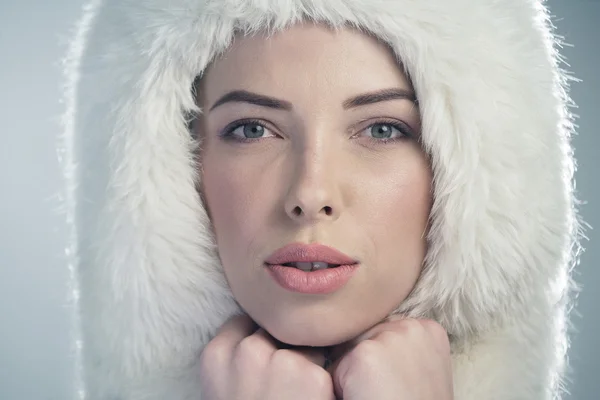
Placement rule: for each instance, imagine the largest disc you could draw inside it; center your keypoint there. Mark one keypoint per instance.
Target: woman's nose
(314, 191)
(303, 212)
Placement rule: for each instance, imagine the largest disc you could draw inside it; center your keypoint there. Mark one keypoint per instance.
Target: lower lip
(322, 281)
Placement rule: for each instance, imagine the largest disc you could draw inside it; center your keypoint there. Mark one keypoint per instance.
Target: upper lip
(298, 252)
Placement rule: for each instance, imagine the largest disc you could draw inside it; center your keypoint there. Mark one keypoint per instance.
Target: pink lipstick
(310, 269)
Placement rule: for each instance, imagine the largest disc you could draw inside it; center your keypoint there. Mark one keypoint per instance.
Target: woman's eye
(385, 131)
(250, 131)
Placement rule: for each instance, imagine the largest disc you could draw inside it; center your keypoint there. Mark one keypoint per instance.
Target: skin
(317, 170)
(397, 359)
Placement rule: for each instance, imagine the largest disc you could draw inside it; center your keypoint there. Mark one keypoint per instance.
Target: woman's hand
(239, 363)
(404, 359)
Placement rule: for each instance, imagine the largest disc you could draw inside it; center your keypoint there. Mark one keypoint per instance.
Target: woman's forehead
(305, 56)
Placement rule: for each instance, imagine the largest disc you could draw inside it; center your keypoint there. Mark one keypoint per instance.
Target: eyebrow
(379, 96)
(244, 96)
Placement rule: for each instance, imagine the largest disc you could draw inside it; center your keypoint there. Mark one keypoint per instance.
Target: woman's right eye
(246, 131)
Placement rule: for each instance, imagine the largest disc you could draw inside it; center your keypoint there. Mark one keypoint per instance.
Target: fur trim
(495, 123)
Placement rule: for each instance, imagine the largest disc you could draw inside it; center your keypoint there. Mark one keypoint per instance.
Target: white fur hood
(495, 123)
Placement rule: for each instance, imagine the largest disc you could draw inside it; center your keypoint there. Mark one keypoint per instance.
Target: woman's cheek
(239, 205)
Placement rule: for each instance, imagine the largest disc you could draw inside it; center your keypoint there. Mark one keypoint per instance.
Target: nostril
(328, 210)
(297, 211)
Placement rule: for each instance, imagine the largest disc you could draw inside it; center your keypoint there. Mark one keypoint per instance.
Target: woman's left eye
(386, 131)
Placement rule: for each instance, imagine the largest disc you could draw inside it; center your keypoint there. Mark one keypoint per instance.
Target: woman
(301, 199)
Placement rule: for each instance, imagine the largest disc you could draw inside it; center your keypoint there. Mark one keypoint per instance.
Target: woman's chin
(312, 323)
(321, 336)
(306, 341)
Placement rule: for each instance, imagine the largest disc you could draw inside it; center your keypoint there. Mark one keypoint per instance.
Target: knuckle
(286, 360)
(312, 377)
(248, 344)
(438, 333)
(389, 336)
(367, 353)
(215, 353)
(319, 378)
(414, 325)
(414, 328)
(433, 327)
(252, 351)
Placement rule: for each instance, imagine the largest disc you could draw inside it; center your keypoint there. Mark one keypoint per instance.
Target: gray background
(35, 351)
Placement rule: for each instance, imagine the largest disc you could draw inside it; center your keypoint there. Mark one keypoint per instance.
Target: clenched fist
(241, 363)
(400, 359)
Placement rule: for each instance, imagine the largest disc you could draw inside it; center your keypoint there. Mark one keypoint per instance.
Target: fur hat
(504, 231)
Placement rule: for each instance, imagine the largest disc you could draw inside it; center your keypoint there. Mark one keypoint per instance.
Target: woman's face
(327, 159)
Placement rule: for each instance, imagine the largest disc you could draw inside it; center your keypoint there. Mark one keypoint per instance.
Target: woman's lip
(315, 252)
(323, 281)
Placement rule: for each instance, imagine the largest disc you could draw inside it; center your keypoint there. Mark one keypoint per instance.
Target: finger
(434, 331)
(235, 329)
(438, 334)
(334, 371)
(394, 322)
(265, 337)
(312, 354)
(338, 351)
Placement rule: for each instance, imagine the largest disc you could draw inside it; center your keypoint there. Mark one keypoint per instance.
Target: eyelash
(227, 133)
